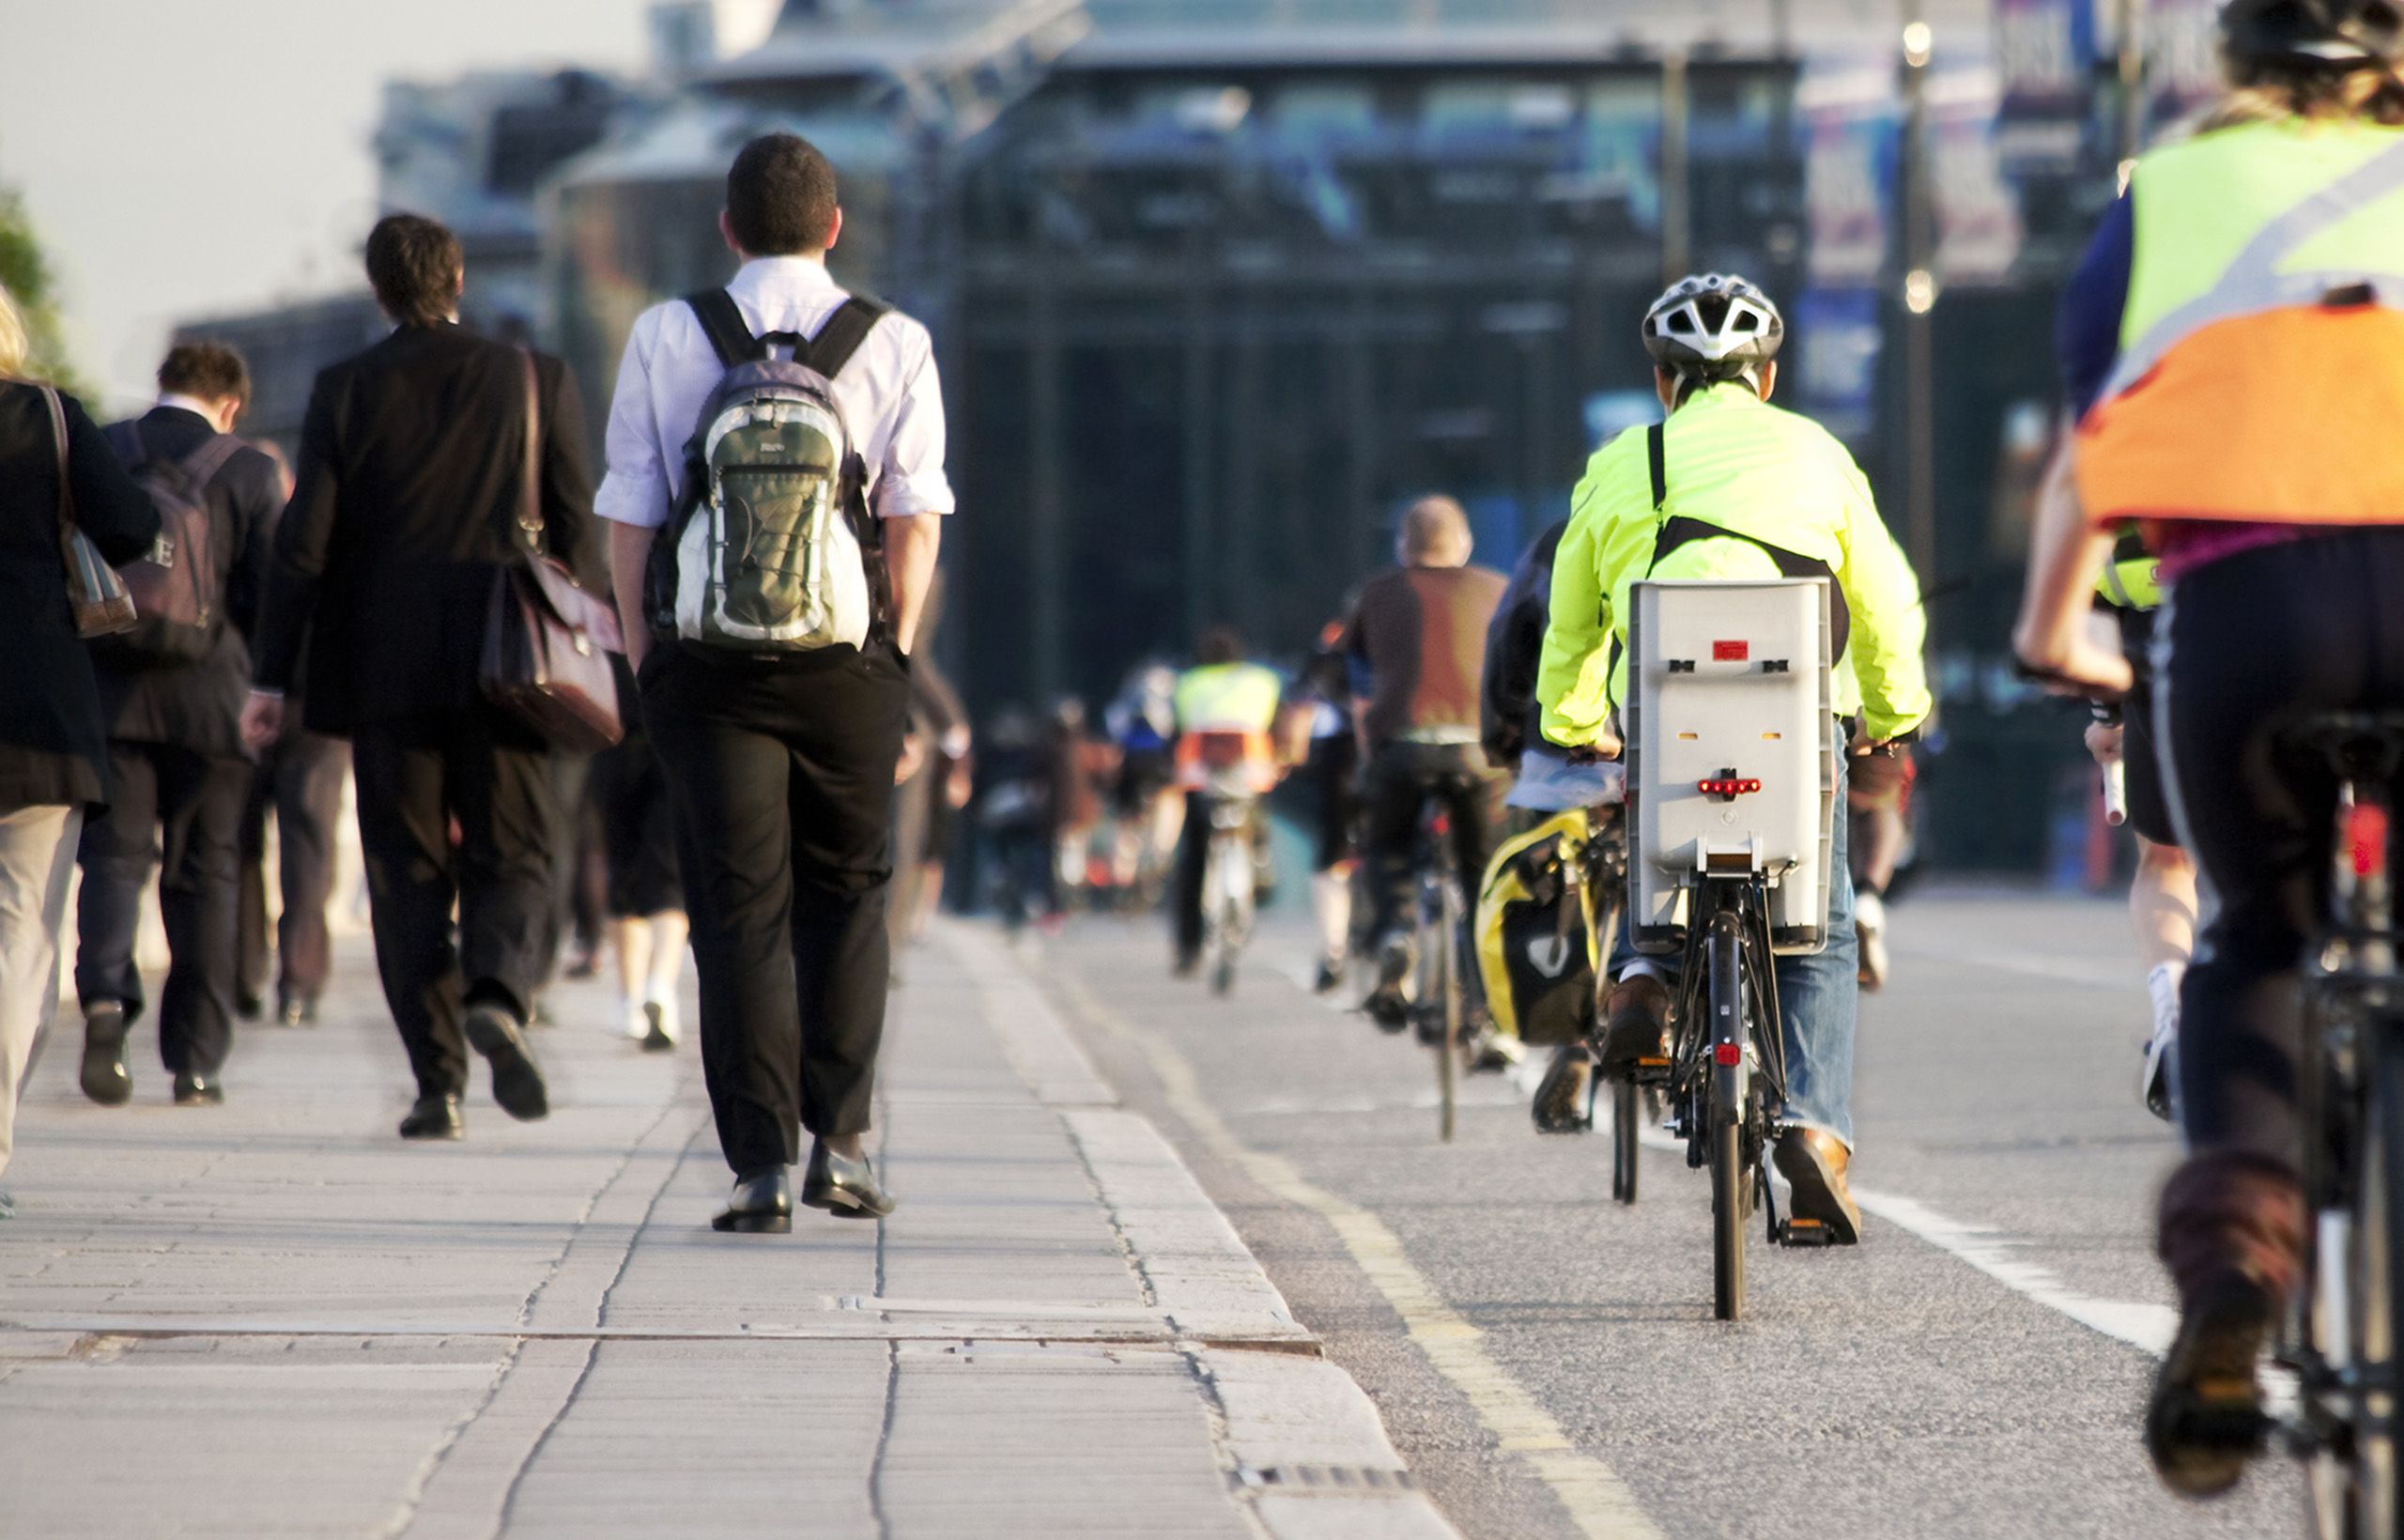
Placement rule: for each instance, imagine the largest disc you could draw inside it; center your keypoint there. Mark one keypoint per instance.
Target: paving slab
(275, 1317)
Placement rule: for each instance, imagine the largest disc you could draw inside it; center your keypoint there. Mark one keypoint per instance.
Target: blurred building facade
(1219, 284)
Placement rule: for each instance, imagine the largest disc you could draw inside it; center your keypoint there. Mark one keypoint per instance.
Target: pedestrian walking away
(776, 697)
(406, 514)
(170, 694)
(54, 468)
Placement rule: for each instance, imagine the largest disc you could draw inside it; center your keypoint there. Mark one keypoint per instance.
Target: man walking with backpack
(171, 694)
(775, 479)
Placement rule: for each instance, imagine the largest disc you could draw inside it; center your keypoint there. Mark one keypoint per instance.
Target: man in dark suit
(405, 516)
(173, 709)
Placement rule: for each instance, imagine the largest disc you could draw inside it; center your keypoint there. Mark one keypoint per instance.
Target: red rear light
(1731, 652)
(1727, 786)
(1728, 1055)
(2366, 833)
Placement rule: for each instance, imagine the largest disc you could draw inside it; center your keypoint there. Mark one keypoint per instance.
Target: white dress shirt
(889, 394)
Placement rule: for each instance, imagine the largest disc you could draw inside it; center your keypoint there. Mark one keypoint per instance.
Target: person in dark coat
(405, 516)
(54, 751)
(176, 755)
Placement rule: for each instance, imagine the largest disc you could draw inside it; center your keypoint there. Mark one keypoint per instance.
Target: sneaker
(1561, 1104)
(1869, 925)
(634, 1018)
(1389, 1002)
(1490, 1052)
(1331, 976)
(1636, 1026)
(2160, 1062)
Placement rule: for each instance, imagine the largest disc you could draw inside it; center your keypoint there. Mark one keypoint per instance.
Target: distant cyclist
(1418, 631)
(1226, 708)
(1329, 775)
(2246, 291)
(1142, 722)
(1742, 490)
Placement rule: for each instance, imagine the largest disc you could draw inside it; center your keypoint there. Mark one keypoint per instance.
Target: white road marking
(1599, 1502)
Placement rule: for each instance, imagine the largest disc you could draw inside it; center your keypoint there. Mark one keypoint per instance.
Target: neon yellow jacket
(1736, 462)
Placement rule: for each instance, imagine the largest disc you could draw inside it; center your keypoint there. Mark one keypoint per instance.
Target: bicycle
(2342, 1336)
(1229, 880)
(1438, 917)
(1727, 888)
(1601, 871)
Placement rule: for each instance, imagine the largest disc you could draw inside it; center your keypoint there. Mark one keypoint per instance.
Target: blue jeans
(1818, 997)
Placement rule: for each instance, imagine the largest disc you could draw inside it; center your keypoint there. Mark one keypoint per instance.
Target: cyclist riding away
(1225, 710)
(1328, 772)
(1741, 490)
(1419, 628)
(2248, 289)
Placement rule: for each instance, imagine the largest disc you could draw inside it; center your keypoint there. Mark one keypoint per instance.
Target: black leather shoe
(105, 1077)
(247, 1006)
(516, 1079)
(1636, 1026)
(433, 1117)
(1387, 1004)
(194, 1090)
(296, 1011)
(761, 1205)
(845, 1188)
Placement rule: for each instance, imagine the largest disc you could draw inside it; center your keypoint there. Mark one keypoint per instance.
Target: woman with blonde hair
(2234, 344)
(53, 755)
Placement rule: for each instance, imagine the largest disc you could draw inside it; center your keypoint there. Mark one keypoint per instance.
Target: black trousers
(635, 817)
(783, 779)
(181, 811)
(1396, 784)
(2258, 643)
(416, 774)
(299, 781)
(570, 912)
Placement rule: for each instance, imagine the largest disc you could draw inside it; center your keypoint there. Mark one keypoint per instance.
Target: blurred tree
(26, 274)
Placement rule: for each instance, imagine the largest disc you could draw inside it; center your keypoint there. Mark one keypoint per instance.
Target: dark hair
(416, 266)
(780, 197)
(1220, 645)
(207, 371)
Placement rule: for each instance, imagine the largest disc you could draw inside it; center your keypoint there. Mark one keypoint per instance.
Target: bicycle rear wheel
(1732, 1179)
(1448, 986)
(1627, 1108)
(2373, 1312)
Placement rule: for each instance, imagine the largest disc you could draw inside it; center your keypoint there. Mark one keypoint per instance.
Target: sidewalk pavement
(273, 1317)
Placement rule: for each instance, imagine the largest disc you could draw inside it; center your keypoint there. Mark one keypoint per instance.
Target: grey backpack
(771, 548)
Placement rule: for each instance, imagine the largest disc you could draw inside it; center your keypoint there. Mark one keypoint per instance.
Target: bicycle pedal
(1804, 1232)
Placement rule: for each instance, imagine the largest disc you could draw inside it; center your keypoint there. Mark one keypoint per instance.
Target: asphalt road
(1546, 1360)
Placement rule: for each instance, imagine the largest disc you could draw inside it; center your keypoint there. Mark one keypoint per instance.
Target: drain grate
(1326, 1478)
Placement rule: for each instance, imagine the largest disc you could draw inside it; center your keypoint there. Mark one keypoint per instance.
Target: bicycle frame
(1727, 943)
(2347, 1411)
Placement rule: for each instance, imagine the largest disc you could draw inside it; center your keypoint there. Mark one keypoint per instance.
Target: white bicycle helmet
(1712, 327)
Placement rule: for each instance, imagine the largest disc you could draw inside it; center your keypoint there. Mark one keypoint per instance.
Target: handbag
(102, 606)
(548, 640)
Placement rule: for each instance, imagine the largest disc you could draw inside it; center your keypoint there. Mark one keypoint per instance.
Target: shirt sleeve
(1574, 670)
(2086, 331)
(911, 481)
(1889, 626)
(634, 486)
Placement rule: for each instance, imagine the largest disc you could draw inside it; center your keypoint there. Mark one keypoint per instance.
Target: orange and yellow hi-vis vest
(2262, 369)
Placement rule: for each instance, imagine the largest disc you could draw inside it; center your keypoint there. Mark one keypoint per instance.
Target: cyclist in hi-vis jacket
(1741, 490)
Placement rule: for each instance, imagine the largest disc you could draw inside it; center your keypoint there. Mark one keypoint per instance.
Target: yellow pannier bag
(1534, 951)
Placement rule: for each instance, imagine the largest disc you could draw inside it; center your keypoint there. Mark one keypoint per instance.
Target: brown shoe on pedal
(1636, 1026)
(1814, 1163)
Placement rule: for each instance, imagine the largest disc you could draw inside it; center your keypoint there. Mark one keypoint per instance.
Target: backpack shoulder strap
(843, 335)
(723, 323)
(203, 464)
(1656, 459)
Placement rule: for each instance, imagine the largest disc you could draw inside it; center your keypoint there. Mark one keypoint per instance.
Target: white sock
(2162, 984)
